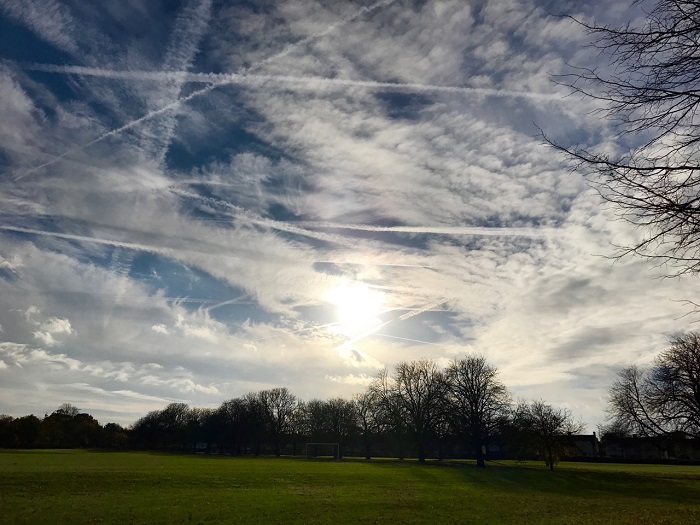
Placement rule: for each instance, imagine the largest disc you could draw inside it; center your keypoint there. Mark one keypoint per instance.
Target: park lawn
(103, 487)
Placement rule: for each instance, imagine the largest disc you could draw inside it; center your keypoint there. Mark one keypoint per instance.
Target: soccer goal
(323, 451)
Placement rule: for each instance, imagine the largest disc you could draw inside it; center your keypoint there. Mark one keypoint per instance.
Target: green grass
(100, 487)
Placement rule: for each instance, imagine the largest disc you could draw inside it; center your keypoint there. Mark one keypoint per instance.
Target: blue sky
(199, 199)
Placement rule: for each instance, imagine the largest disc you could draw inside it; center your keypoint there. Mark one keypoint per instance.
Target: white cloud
(54, 325)
(30, 311)
(50, 328)
(352, 379)
(46, 338)
(160, 328)
(11, 264)
(204, 328)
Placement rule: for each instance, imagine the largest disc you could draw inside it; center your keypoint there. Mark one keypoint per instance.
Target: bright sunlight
(357, 307)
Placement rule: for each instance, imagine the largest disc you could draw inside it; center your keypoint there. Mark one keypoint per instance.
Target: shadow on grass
(583, 483)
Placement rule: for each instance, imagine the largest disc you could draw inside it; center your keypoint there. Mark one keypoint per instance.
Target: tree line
(66, 427)
(417, 410)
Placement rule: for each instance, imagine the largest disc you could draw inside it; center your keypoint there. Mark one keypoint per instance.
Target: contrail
(229, 302)
(369, 263)
(96, 240)
(118, 130)
(307, 227)
(194, 182)
(287, 49)
(241, 214)
(291, 332)
(407, 339)
(374, 330)
(366, 333)
(311, 82)
(161, 250)
(190, 25)
(439, 230)
(420, 310)
(118, 265)
(151, 297)
(169, 252)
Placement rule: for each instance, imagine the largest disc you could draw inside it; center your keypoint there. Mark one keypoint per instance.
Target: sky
(200, 199)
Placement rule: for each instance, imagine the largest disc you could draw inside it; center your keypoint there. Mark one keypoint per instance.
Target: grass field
(101, 487)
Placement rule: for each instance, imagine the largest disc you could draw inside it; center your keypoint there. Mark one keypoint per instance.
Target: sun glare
(357, 307)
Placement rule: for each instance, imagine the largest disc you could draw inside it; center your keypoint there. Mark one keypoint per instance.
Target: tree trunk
(480, 460)
(551, 458)
(398, 443)
(421, 452)
(368, 455)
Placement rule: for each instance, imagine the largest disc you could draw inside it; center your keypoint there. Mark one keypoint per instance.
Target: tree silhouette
(368, 412)
(477, 402)
(550, 427)
(419, 388)
(278, 405)
(650, 92)
(664, 398)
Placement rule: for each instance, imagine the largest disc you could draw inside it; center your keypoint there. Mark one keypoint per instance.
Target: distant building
(677, 446)
(583, 446)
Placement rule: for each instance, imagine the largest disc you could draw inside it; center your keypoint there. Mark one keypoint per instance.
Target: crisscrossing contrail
(210, 87)
(305, 81)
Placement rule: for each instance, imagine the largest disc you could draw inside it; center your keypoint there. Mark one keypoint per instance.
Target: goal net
(323, 451)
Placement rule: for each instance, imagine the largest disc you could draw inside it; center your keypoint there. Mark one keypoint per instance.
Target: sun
(357, 307)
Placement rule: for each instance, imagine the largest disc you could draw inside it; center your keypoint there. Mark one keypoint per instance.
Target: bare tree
(367, 408)
(313, 420)
(391, 412)
(173, 421)
(332, 420)
(629, 406)
(257, 420)
(278, 405)
(664, 398)
(234, 424)
(418, 390)
(650, 91)
(342, 421)
(297, 426)
(476, 403)
(67, 409)
(550, 427)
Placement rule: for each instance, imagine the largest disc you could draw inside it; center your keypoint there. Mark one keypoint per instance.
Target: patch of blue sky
(407, 106)
(191, 151)
(8, 275)
(194, 289)
(26, 47)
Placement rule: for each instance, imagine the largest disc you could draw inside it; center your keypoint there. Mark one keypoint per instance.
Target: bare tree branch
(651, 91)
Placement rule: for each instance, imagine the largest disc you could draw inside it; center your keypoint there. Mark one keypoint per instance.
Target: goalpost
(323, 451)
